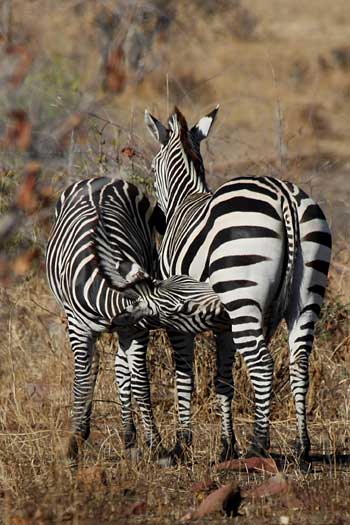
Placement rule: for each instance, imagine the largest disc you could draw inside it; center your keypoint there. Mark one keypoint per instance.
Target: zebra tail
(114, 267)
(291, 224)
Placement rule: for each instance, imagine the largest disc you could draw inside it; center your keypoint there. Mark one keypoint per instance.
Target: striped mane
(190, 146)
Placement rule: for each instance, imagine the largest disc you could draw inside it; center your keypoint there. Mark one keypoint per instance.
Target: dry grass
(280, 73)
(37, 485)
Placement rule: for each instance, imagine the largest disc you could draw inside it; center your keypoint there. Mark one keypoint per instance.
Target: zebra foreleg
(183, 347)
(260, 369)
(225, 356)
(86, 363)
(134, 346)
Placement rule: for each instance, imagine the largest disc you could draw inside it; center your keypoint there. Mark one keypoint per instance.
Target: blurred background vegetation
(76, 76)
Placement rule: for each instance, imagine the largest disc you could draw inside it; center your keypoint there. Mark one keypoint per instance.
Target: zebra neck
(185, 183)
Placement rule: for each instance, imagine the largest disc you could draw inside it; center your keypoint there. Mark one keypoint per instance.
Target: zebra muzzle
(132, 314)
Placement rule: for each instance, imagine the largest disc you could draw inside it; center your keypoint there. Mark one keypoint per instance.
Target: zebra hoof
(158, 454)
(182, 447)
(302, 453)
(74, 446)
(163, 457)
(133, 454)
(256, 451)
(129, 438)
(228, 451)
(167, 460)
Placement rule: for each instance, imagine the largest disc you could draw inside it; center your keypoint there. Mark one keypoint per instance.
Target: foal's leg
(133, 346)
(225, 357)
(183, 348)
(123, 379)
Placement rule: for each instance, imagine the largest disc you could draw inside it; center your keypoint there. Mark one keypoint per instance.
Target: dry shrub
(244, 23)
(342, 57)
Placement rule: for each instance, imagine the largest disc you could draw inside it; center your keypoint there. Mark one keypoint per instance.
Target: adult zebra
(100, 246)
(265, 247)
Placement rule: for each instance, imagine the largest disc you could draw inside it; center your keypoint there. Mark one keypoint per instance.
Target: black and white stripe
(100, 263)
(264, 246)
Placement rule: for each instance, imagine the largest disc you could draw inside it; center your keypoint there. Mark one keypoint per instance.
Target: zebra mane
(190, 145)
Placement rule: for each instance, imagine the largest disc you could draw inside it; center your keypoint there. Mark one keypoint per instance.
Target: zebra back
(121, 217)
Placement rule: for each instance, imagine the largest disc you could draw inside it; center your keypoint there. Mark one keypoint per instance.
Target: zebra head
(180, 303)
(178, 166)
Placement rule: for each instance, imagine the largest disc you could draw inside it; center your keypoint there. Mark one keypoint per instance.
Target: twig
(347, 338)
(7, 18)
(43, 308)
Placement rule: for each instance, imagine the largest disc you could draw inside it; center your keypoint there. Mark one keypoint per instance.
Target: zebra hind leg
(301, 335)
(134, 346)
(225, 356)
(252, 345)
(86, 364)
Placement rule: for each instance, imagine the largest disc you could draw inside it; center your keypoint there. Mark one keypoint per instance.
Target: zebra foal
(264, 246)
(100, 261)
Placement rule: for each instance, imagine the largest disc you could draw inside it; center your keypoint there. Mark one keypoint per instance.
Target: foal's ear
(201, 130)
(156, 128)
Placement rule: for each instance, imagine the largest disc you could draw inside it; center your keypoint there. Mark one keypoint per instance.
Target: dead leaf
(275, 485)
(128, 152)
(200, 486)
(22, 264)
(18, 133)
(19, 520)
(250, 464)
(27, 196)
(115, 71)
(227, 498)
(24, 60)
(137, 508)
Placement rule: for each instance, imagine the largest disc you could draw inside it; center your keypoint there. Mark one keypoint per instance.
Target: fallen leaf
(115, 71)
(208, 484)
(128, 152)
(250, 464)
(227, 498)
(27, 195)
(22, 264)
(137, 508)
(24, 59)
(275, 485)
(18, 133)
(19, 520)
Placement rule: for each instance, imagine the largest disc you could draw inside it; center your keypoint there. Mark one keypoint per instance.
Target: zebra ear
(156, 128)
(201, 130)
